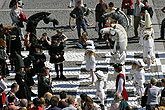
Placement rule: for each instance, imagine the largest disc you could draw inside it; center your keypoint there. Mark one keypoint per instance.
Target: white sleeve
(92, 62)
(120, 85)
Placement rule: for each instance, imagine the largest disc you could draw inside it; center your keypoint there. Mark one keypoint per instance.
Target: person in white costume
(119, 35)
(140, 31)
(90, 62)
(148, 45)
(100, 86)
(139, 78)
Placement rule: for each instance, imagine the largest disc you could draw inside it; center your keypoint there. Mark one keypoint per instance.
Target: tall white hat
(148, 22)
(99, 74)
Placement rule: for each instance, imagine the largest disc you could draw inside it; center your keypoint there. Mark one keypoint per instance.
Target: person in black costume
(40, 58)
(56, 53)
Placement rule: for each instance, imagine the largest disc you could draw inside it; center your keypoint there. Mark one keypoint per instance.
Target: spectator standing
(162, 32)
(120, 81)
(99, 11)
(83, 99)
(138, 6)
(45, 41)
(80, 14)
(152, 92)
(14, 89)
(62, 103)
(126, 5)
(15, 15)
(37, 104)
(90, 105)
(44, 82)
(71, 102)
(71, 3)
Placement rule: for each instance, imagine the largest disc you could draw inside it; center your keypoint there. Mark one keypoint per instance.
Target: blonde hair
(89, 54)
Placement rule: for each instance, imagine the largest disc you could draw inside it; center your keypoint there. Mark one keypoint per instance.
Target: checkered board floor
(77, 82)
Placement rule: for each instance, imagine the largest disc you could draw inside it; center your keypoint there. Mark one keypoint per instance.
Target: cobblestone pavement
(74, 66)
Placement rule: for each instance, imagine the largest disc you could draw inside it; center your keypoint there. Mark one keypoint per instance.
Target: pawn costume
(100, 86)
(57, 49)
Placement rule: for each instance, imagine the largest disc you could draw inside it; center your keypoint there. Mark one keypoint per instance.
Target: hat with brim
(89, 43)
(90, 48)
(99, 74)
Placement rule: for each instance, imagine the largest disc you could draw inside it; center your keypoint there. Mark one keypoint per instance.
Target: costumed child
(148, 46)
(139, 78)
(100, 87)
(90, 57)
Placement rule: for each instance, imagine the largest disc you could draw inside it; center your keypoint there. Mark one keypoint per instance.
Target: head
(37, 102)
(129, 107)
(117, 68)
(79, 4)
(118, 97)
(89, 103)
(153, 81)
(145, 3)
(42, 102)
(135, 66)
(163, 82)
(63, 95)
(16, 5)
(23, 103)
(45, 71)
(111, 5)
(83, 97)
(48, 95)
(59, 32)
(101, 1)
(11, 98)
(44, 35)
(71, 100)
(54, 101)
(14, 87)
(21, 69)
(138, 1)
(85, 36)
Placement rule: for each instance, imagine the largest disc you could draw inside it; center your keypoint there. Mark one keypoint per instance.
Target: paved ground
(74, 66)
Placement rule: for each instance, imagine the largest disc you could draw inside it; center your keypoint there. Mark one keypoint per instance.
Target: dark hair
(89, 100)
(163, 80)
(54, 101)
(44, 69)
(11, 98)
(118, 67)
(14, 85)
(83, 96)
(44, 34)
(63, 95)
(111, 4)
(71, 100)
(37, 102)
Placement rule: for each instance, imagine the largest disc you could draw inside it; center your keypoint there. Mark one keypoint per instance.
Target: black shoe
(62, 77)
(57, 77)
(102, 107)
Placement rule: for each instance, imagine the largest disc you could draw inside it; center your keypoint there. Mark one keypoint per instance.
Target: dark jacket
(23, 91)
(44, 85)
(54, 50)
(54, 108)
(99, 11)
(79, 13)
(38, 63)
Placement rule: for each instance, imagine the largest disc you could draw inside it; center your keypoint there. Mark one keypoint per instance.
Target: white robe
(100, 90)
(90, 63)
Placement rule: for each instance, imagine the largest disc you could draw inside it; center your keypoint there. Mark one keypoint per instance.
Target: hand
(56, 56)
(84, 17)
(62, 41)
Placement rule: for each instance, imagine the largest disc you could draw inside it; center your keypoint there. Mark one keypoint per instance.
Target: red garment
(124, 92)
(37, 108)
(127, 4)
(22, 17)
